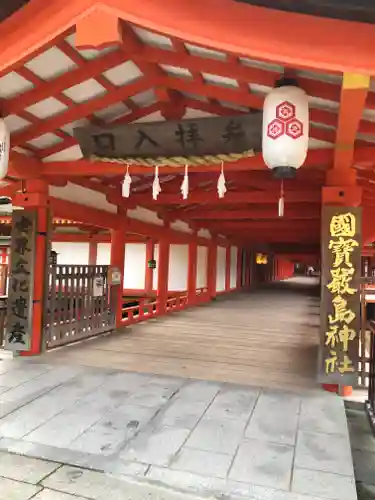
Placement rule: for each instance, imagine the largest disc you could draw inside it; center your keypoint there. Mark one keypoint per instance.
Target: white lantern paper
(4, 148)
(285, 135)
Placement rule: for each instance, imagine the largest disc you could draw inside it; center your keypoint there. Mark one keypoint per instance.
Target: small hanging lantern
(4, 148)
(221, 183)
(185, 185)
(126, 183)
(285, 129)
(156, 188)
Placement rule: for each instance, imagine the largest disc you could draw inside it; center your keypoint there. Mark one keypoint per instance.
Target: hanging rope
(178, 161)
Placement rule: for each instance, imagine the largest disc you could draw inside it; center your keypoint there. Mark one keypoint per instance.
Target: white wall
(220, 269)
(178, 267)
(233, 267)
(104, 254)
(202, 267)
(135, 266)
(71, 253)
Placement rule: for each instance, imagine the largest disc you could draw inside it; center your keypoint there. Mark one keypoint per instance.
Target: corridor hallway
(267, 337)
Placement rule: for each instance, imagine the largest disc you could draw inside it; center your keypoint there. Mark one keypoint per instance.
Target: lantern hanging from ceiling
(285, 135)
(4, 148)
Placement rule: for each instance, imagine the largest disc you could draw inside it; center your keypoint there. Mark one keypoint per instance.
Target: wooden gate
(77, 305)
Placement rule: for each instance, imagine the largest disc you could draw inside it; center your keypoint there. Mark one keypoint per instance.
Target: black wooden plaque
(21, 284)
(205, 136)
(340, 295)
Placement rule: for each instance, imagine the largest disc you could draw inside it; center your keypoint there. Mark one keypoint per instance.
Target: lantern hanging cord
(177, 161)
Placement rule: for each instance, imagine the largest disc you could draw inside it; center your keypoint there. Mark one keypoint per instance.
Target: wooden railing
(149, 308)
(370, 403)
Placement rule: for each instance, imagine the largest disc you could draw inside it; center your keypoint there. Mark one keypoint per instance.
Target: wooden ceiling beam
(81, 111)
(230, 197)
(236, 215)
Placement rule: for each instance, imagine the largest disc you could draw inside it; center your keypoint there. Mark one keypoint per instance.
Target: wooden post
(163, 273)
(149, 272)
(93, 253)
(248, 263)
(192, 272)
(35, 198)
(348, 195)
(227, 268)
(211, 269)
(118, 237)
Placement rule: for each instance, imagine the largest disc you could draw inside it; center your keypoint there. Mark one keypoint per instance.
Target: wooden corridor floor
(266, 338)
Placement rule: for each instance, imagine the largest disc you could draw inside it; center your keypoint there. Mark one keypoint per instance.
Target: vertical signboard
(21, 285)
(340, 297)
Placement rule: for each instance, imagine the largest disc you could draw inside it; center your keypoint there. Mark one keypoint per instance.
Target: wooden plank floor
(268, 338)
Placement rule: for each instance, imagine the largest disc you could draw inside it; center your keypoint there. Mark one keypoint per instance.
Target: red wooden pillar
(192, 272)
(93, 253)
(227, 268)
(149, 272)
(212, 269)
(118, 237)
(239, 269)
(36, 197)
(163, 273)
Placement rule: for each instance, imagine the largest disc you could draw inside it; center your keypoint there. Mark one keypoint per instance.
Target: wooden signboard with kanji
(204, 136)
(340, 295)
(21, 285)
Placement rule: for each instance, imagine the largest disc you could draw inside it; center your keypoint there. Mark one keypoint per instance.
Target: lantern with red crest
(285, 129)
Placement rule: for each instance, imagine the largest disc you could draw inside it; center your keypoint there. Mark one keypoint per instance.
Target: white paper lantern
(4, 148)
(285, 135)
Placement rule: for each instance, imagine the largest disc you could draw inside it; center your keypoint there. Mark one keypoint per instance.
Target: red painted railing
(147, 308)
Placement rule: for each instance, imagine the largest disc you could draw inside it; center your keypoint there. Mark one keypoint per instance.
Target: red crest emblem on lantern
(285, 122)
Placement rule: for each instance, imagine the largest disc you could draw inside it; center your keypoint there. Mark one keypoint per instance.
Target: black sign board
(205, 136)
(340, 295)
(21, 285)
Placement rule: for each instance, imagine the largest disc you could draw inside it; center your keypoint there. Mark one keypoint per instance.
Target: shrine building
(158, 156)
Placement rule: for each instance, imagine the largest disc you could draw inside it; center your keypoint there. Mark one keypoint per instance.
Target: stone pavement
(107, 434)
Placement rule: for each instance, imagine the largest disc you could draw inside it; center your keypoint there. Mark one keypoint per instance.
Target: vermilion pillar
(149, 272)
(192, 272)
(93, 253)
(163, 274)
(118, 237)
(36, 197)
(227, 268)
(212, 269)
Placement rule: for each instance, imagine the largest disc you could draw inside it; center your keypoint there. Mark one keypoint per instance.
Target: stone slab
(275, 419)
(324, 452)
(217, 435)
(156, 446)
(47, 494)
(202, 462)
(14, 490)
(263, 464)
(324, 484)
(28, 470)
